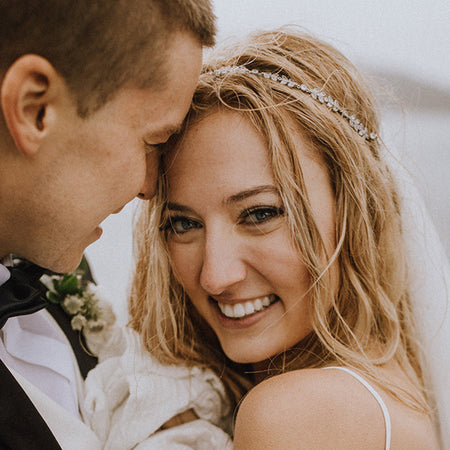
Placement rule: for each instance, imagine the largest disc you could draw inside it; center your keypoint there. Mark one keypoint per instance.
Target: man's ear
(28, 89)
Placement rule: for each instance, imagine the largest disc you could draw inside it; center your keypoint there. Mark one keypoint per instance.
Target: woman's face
(228, 237)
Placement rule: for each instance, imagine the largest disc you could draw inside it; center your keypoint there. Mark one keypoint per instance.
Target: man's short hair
(99, 46)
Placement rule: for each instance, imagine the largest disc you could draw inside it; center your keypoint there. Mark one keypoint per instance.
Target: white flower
(96, 291)
(78, 322)
(95, 325)
(106, 312)
(72, 304)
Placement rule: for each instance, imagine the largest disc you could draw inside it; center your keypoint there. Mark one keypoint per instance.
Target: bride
(277, 272)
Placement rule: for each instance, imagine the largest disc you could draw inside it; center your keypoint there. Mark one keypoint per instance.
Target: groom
(89, 88)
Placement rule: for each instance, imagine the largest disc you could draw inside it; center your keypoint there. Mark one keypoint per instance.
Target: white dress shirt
(4, 273)
(35, 347)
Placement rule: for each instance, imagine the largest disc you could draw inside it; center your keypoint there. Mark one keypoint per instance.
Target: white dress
(130, 395)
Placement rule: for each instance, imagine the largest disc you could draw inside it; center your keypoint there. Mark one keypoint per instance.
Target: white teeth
(248, 308)
(259, 305)
(239, 310)
(227, 310)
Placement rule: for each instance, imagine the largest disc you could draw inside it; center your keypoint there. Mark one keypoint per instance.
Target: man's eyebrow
(251, 192)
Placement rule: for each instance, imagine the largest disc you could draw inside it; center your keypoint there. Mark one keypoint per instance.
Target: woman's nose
(223, 264)
(148, 189)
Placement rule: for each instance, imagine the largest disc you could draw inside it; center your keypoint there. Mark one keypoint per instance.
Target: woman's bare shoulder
(309, 409)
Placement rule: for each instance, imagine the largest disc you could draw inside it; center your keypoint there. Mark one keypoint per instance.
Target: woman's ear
(27, 90)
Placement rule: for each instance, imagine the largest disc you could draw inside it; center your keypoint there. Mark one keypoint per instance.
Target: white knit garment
(129, 395)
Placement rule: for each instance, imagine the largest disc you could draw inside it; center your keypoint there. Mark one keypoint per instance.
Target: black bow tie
(17, 296)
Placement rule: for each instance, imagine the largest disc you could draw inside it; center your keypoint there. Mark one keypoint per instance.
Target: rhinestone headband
(316, 94)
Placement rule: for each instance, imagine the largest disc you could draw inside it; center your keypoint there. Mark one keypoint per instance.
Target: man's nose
(148, 189)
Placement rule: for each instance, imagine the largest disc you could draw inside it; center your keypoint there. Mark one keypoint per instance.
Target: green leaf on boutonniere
(54, 298)
(56, 284)
(69, 285)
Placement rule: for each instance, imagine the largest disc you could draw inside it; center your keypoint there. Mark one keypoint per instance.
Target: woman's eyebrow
(177, 207)
(172, 206)
(251, 192)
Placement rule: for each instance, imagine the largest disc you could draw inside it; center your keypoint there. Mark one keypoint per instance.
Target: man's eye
(150, 148)
(180, 225)
(259, 215)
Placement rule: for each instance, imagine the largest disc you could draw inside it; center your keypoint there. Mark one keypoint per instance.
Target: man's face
(89, 168)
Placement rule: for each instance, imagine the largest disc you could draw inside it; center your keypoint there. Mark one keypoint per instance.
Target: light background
(403, 45)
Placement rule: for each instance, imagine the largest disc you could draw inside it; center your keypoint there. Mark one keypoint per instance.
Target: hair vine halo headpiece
(316, 94)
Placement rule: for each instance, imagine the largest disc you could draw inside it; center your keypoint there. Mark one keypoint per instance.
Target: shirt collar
(4, 272)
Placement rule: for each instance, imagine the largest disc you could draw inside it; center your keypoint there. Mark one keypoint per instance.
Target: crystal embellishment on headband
(316, 94)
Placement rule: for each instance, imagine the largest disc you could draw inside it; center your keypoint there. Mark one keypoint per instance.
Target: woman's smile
(246, 308)
(242, 315)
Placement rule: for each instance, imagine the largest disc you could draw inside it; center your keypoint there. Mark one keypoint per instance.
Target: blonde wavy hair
(370, 309)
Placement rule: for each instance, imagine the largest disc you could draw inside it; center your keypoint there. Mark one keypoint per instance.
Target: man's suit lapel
(86, 361)
(21, 425)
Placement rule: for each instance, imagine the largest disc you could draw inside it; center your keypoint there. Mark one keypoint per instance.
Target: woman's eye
(260, 215)
(181, 225)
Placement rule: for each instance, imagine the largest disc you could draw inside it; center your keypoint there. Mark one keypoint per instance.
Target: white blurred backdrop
(403, 45)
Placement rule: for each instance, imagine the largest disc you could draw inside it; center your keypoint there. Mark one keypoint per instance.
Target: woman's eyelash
(256, 215)
(260, 214)
(179, 224)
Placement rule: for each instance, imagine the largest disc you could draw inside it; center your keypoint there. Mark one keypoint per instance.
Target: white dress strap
(387, 418)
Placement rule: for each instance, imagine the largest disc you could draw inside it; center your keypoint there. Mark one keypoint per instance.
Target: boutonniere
(84, 303)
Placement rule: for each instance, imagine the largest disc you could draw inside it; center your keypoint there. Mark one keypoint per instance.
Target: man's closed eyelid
(149, 147)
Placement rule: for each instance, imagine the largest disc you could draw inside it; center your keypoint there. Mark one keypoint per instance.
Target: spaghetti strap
(387, 419)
